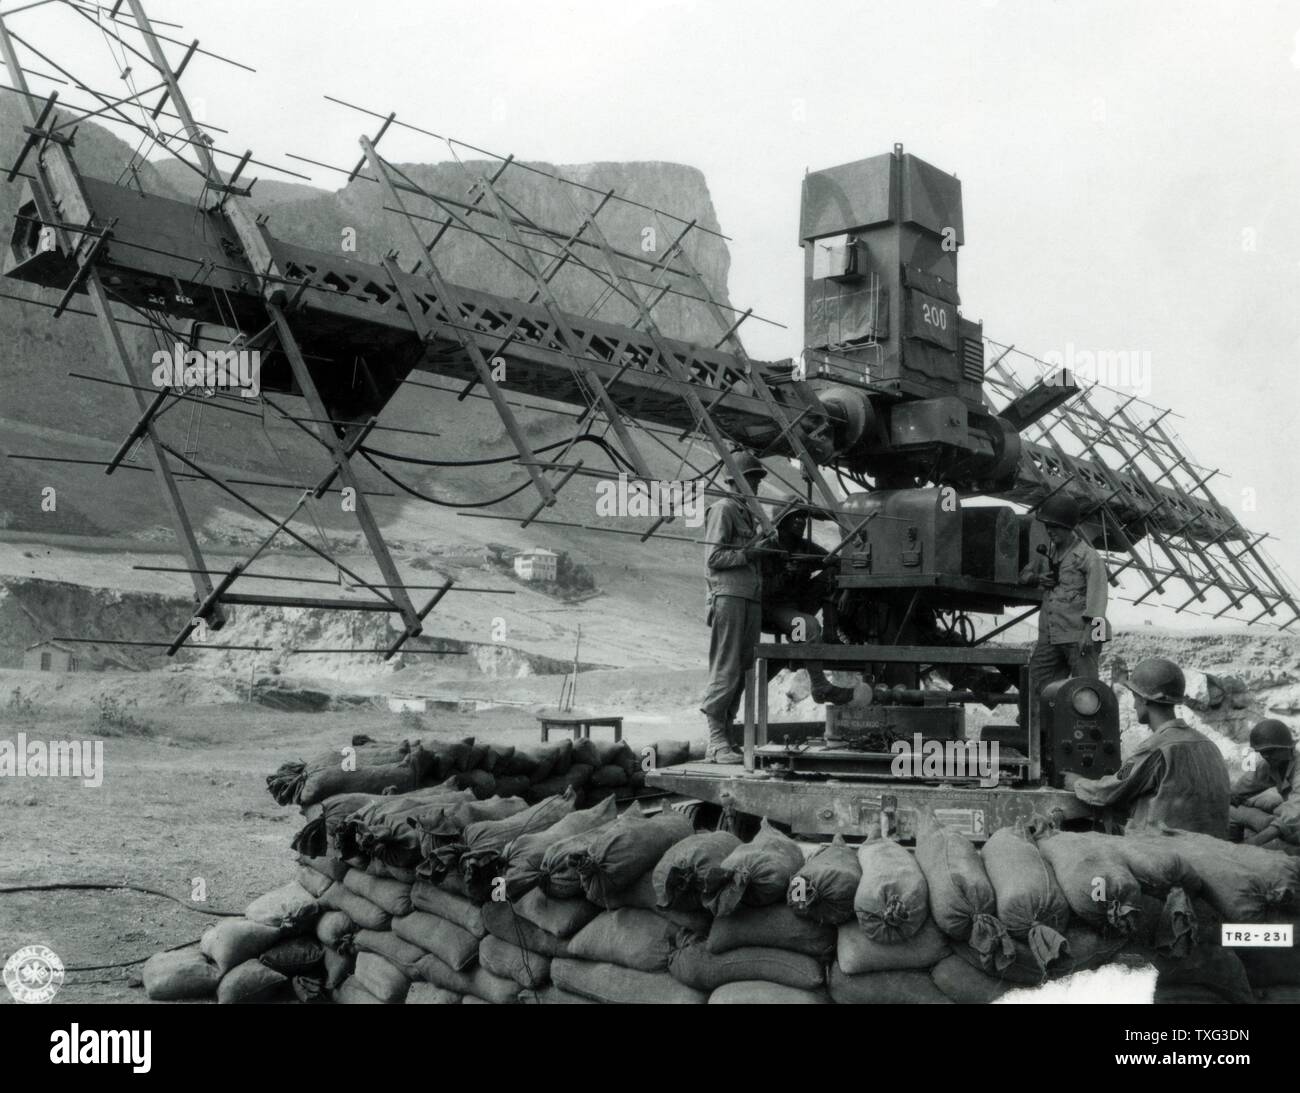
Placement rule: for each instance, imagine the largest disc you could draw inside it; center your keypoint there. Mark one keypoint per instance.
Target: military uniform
(1265, 797)
(1078, 597)
(1176, 777)
(734, 606)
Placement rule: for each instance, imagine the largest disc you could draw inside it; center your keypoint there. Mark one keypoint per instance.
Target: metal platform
(833, 806)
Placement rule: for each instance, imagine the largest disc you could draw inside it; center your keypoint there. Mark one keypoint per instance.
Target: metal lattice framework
(219, 266)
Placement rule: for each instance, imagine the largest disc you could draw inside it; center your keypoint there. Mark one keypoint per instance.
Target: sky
(1131, 172)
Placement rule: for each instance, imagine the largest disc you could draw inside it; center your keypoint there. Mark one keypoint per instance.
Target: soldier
(735, 606)
(1072, 619)
(1176, 777)
(1266, 798)
(795, 587)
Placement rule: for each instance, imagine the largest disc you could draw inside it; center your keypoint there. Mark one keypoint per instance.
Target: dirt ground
(183, 798)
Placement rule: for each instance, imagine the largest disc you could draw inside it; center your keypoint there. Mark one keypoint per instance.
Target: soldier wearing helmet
(1073, 616)
(796, 588)
(1266, 798)
(1176, 777)
(733, 548)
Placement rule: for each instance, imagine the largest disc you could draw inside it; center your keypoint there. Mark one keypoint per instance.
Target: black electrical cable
(87, 886)
(591, 438)
(435, 501)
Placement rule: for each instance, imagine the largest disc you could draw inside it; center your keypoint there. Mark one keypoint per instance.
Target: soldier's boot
(719, 749)
(824, 691)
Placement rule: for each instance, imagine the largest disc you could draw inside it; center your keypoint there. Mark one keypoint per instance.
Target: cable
(86, 886)
(435, 501)
(510, 458)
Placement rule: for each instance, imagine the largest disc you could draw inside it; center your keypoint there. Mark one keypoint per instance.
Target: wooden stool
(581, 726)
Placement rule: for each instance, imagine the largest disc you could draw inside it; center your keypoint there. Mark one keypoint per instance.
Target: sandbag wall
(438, 896)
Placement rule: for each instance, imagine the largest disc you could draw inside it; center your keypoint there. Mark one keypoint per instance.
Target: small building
(537, 564)
(49, 656)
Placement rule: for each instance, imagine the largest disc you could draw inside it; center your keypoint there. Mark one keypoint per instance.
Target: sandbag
(775, 926)
(628, 849)
(616, 985)
(402, 955)
(392, 895)
(376, 868)
(823, 888)
(522, 858)
(182, 974)
(857, 953)
(457, 947)
(904, 988)
(478, 783)
(313, 882)
(290, 908)
(642, 894)
(447, 758)
(442, 901)
(679, 876)
(388, 830)
(288, 783)
(554, 996)
(478, 853)
(447, 830)
(334, 929)
(965, 983)
(235, 941)
(695, 966)
(1207, 966)
(575, 778)
(360, 910)
(1097, 884)
(529, 970)
(756, 992)
(670, 753)
(338, 966)
(329, 868)
(399, 777)
(534, 763)
(297, 956)
(317, 841)
(380, 978)
(1029, 901)
(250, 983)
(1170, 927)
(1242, 883)
(561, 917)
(561, 756)
(558, 873)
(1270, 967)
(962, 902)
(351, 993)
(501, 921)
(630, 938)
(476, 981)
(609, 776)
(892, 900)
(426, 994)
(756, 873)
(600, 753)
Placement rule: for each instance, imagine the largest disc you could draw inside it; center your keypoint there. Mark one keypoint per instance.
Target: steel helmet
(1060, 510)
(746, 463)
(1270, 733)
(1157, 680)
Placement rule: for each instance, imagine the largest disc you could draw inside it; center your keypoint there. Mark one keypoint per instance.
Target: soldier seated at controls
(1266, 798)
(796, 586)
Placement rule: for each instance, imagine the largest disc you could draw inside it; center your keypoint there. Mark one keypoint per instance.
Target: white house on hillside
(536, 564)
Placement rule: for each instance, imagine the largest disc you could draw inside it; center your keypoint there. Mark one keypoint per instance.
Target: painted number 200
(934, 316)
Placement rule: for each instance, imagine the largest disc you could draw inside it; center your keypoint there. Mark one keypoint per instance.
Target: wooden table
(580, 726)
